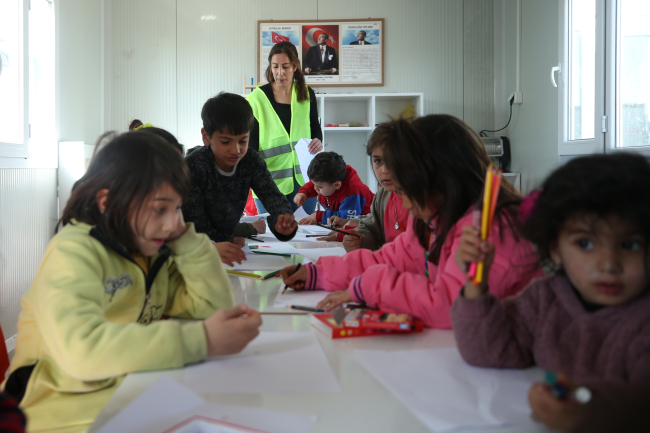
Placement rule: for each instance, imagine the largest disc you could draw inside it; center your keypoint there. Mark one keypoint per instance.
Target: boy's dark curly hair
(327, 167)
(602, 185)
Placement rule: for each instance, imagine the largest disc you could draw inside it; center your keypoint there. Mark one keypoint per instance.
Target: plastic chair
(4, 356)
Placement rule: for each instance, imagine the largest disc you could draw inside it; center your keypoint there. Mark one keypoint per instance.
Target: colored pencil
(271, 254)
(300, 307)
(338, 230)
(243, 274)
(294, 271)
(272, 274)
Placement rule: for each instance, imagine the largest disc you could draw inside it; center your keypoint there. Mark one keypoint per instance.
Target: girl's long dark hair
(130, 167)
(290, 50)
(438, 159)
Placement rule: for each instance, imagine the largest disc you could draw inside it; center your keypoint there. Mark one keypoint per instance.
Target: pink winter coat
(393, 278)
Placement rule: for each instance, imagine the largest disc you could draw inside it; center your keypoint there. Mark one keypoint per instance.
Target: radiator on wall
(28, 215)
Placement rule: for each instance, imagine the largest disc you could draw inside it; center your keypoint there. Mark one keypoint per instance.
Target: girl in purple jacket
(438, 165)
(590, 320)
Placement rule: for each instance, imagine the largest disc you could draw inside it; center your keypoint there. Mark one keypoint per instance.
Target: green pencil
(271, 254)
(272, 274)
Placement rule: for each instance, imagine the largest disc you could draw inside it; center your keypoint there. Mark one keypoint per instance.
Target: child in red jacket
(338, 187)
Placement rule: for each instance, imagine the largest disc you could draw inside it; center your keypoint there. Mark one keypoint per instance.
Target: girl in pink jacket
(438, 165)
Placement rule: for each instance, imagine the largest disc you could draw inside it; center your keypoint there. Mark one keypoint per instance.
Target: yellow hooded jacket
(92, 315)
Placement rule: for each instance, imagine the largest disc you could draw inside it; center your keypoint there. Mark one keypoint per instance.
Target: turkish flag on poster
(311, 33)
(275, 38)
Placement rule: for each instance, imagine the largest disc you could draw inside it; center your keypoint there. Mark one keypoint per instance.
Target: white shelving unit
(365, 108)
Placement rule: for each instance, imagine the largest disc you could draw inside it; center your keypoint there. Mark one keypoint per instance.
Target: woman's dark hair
(167, 136)
(134, 124)
(227, 113)
(327, 167)
(438, 158)
(602, 185)
(130, 167)
(290, 50)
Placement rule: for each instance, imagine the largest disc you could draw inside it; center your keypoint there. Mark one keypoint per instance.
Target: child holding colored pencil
(590, 321)
(438, 166)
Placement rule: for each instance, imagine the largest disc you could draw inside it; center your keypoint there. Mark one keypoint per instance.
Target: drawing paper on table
(165, 396)
(317, 253)
(252, 219)
(304, 157)
(448, 394)
(300, 213)
(305, 298)
(259, 262)
(166, 403)
(314, 229)
(273, 363)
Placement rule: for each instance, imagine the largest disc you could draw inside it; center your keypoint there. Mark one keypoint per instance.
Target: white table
(364, 405)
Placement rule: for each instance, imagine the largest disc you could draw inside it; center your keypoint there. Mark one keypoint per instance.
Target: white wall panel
(140, 63)
(423, 48)
(441, 48)
(533, 129)
(28, 215)
(216, 52)
(478, 64)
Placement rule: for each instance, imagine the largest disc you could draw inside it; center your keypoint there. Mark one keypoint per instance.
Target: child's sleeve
(351, 207)
(308, 189)
(244, 230)
(198, 283)
(497, 334)
(618, 406)
(273, 200)
(12, 419)
(194, 210)
(68, 302)
(371, 227)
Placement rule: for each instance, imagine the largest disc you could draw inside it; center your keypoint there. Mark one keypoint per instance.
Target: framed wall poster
(331, 52)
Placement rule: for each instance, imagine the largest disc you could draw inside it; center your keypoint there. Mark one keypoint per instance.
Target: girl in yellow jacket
(123, 259)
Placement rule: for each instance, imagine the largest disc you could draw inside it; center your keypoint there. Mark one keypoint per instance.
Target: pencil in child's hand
(300, 307)
(271, 275)
(475, 223)
(487, 190)
(294, 271)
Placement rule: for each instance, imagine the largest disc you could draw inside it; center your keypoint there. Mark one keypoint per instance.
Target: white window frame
(21, 150)
(568, 147)
(611, 84)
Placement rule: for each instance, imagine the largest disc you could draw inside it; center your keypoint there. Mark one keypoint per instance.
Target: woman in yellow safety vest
(285, 111)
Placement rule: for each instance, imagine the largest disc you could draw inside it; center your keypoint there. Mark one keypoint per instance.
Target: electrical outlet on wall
(518, 97)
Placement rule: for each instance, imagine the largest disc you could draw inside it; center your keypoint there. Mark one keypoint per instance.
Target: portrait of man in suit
(361, 39)
(321, 57)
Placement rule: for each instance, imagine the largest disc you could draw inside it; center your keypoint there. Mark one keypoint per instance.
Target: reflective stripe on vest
(276, 146)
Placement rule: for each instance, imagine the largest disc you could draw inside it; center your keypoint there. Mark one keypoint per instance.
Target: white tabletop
(364, 405)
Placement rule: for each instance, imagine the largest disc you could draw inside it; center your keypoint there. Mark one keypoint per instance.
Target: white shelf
(368, 108)
(348, 128)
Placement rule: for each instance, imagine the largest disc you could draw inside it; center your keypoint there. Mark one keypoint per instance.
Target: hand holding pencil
(294, 276)
(474, 250)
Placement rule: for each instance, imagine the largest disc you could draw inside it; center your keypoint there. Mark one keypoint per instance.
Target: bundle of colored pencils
(483, 214)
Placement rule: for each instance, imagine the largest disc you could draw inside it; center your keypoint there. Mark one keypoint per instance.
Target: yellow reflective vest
(276, 146)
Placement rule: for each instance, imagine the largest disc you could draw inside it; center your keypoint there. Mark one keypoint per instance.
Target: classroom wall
(79, 77)
(27, 220)
(163, 61)
(533, 130)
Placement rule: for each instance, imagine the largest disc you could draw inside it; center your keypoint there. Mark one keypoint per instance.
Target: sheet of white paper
(259, 262)
(314, 229)
(317, 253)
(275, 247)
(300, 213)
(167, 403)
(165, 396)
(304, 298)
(251, 219)
(304, 157)
(273, 363)
(446, 394)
